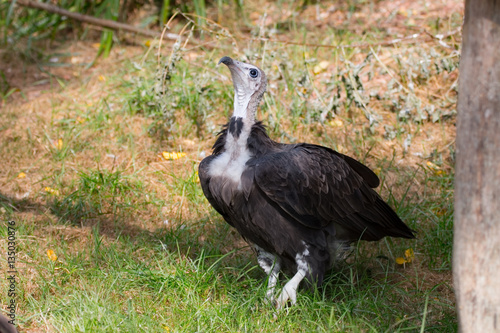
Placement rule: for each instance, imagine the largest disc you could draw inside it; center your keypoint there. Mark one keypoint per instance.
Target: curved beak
(240, 81)
(226, 61)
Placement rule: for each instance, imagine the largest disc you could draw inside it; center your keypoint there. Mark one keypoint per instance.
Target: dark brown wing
(317, 186)
(366, 173)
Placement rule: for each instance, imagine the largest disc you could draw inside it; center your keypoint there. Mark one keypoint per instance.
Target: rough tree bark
(476, 254)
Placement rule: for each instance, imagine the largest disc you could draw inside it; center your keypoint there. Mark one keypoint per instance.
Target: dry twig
(93, 20)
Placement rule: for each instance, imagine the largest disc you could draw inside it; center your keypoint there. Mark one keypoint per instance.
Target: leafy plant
(99, 192)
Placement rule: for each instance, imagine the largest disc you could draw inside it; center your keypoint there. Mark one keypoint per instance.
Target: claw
(282, 300)
(289, 291)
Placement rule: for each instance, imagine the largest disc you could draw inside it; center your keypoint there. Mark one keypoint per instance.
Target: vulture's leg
(289, 291)
(273, 279)
(271, 265)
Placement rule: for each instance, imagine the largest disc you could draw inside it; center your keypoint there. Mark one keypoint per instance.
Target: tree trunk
(476, 254)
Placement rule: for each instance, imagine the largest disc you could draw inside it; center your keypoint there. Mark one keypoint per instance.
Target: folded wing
(317, 186)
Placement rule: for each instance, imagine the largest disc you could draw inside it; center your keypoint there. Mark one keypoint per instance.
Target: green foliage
(99, 192)
(178, 100)
(23, 27)
(140, 96)
(5, 89)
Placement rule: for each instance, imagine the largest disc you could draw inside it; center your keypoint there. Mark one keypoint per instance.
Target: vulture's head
(249, 83)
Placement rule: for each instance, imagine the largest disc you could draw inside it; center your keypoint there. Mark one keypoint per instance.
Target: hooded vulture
(298, 205)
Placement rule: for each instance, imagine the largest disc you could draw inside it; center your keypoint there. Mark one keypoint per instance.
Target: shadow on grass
(20, 205)
(209, 236)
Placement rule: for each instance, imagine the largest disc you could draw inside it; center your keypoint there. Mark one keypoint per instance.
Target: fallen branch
(92, 20)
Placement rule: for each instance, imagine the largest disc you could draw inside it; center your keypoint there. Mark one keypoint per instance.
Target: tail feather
(384, 220)
(375, 223)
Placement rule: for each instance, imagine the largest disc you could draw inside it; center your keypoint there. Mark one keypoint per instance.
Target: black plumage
(299, 205)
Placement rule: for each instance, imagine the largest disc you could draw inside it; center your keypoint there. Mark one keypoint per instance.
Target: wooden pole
(476, 253)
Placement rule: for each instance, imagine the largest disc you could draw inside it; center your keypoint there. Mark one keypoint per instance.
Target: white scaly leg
(289, 291)
(271, 265)
(273, 279)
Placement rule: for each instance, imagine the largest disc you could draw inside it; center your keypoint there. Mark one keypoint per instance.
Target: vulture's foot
(289, 292)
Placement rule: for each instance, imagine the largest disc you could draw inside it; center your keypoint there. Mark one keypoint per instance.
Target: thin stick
(92, 20)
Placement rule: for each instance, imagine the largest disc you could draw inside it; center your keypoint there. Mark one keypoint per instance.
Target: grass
(138, 246)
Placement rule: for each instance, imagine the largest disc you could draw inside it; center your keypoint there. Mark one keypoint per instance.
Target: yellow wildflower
(21, 175)
(321, 67)
(400, 260)
(173, 156)
(59, 144)
(409, 256)
(440, 212)
(436, 169)
(336, 122)
(147, 43)
(52, 255)
(432, 165)
(52, 191)
(102, 78)
(80, 120)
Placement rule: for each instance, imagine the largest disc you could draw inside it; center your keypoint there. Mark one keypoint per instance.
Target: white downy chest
(232, 162)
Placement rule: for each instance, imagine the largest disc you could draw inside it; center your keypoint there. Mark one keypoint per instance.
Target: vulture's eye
(254, 73)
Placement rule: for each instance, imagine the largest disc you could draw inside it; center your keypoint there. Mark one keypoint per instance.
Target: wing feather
(317, 186)
(310, 180)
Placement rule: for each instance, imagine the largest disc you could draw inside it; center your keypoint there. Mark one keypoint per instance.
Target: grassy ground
(114, 234)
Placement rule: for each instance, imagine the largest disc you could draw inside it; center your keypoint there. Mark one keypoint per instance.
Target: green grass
(139, 249)
(149, 282)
